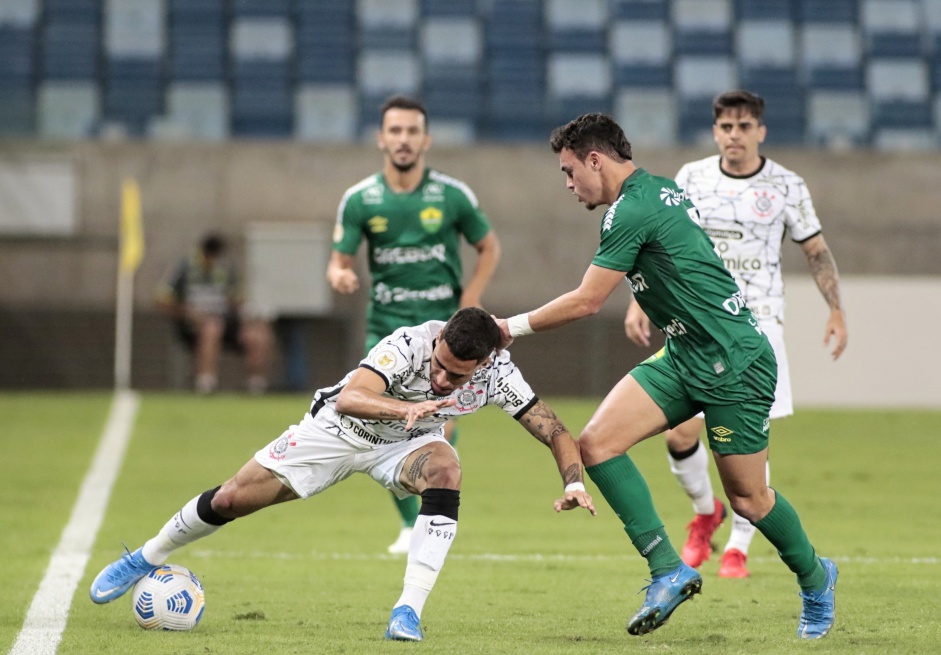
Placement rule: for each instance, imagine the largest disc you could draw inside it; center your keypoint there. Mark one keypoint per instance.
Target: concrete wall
(879, 213)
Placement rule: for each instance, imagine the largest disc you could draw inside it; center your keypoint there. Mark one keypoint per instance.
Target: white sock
(184, 528)
(431, 539)
(742, 529)
(693, 475)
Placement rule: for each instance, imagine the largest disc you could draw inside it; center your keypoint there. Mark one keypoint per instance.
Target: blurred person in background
(202, 295)
(747, 204)
(413, 219)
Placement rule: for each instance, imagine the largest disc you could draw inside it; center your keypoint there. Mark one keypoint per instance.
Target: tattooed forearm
(572, 474)
(416, 470)
(823, 268)
(542, 423)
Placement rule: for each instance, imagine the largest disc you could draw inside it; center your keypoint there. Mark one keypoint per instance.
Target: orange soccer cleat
(698, 547)
(733, 564)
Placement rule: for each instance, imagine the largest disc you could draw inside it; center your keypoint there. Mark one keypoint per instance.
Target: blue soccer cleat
(664, 594)
(819, 610)
(119, 576)
(404, 625)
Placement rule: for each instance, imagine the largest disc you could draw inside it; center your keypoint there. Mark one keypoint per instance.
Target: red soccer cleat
(733, 564)
(698, 547)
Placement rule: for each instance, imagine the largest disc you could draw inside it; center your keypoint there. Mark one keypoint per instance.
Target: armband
(574, 486)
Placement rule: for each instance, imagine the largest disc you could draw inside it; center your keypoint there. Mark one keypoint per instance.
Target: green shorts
(737, 421)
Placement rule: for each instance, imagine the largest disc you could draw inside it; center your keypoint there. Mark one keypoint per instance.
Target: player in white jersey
(385, 419)
(747, 204)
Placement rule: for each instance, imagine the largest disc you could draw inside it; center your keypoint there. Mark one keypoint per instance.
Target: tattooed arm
(364, 397)
(823, 268)
(542, 423)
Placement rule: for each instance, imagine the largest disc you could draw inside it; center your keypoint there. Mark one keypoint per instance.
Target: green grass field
(312, 577)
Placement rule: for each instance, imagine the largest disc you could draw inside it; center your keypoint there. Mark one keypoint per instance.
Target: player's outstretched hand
(573, 499)
(415, 411)
(836, 329)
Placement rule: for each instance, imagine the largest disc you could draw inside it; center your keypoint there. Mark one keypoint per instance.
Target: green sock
(624, 488)
(408, 509)
(782, 527)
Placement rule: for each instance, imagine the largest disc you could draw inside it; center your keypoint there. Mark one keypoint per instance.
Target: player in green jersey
(413, 219)
(716, 361)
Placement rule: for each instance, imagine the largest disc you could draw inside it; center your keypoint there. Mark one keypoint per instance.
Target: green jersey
(414, 246)
(651, 232)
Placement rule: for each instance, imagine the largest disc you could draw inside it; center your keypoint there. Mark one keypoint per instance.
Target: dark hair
(471, 334)
(742, 101)
(212, 245)
(592, 132)
(400, 101)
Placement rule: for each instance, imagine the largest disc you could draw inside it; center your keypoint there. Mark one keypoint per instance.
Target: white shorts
(308, 459)
(783, 399)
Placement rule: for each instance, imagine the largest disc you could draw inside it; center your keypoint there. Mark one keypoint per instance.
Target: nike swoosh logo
(675, 578)
(438, 525)
(101, 594)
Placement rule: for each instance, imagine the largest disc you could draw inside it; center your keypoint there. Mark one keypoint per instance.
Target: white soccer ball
(168, 598)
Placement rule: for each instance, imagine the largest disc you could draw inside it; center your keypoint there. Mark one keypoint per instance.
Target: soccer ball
(168, 598)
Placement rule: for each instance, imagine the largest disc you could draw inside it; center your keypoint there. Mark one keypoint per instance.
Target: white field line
(49, 611)
(204, 553)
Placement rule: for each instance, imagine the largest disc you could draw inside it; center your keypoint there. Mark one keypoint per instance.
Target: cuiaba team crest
(385, 359)
(431, 218)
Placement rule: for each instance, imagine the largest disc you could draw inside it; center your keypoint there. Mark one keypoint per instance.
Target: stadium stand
(507, 70)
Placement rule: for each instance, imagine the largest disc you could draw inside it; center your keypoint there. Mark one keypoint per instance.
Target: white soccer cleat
(400, 545)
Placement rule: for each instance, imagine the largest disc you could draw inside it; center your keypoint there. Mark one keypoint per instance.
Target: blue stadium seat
(765, 43)
(326, 113)
(891, 28)
(387, 24)
(837, 118)
(70, 50)
(17, 54)
(902, 114)
(827, 11)
(197, 110)
(197, 38)
(133, 92)
(702, 27)
(831, 55)
(641, 9)
(695, 120)
(577, 26)
(260, 8)
(450, 8)
(325, 42)
(647, 116)
(764, 9)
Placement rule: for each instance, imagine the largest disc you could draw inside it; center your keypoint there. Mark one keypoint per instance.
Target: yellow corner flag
(132, 229)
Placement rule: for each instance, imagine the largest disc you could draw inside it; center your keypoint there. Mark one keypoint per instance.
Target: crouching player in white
(385, 419)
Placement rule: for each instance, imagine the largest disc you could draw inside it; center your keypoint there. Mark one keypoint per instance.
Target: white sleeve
(392, 358)
(682, 177)
(800, 217)
(507, 388)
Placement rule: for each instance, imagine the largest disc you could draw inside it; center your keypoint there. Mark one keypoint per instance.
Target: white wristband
(574, 486)
(519, 325)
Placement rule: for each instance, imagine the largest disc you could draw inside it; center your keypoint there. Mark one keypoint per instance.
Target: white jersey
(747, 218)
(403, 359)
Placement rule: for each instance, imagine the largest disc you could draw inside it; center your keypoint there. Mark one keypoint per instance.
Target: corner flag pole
(131, 252)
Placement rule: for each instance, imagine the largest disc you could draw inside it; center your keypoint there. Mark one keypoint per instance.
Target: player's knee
(443, 473)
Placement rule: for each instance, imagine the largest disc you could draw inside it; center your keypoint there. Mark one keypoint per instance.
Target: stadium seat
(325, 113)
(67, 110)
(891, 28)
(641, 10)
(698, 77)
(702, 27)
(647, 116)
(905, 139)
(325, 38)
(260, 8)
(641, 53)
(764, 10)
(198, 110)
(387, 24)
(576, 26)
(70, 48)
(831, 56)
(196, 40)
(765, 43)
(19, 14)
(837, 118)
(694, 122)
(134, 29)
(451, 40)
(382, 72)
(17, 110)
(451, 8)
(827, 11)
(262, 38)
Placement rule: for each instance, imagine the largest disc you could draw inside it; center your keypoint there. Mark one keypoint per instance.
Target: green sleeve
(623, 232)
(472, 221)
(348, 231)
